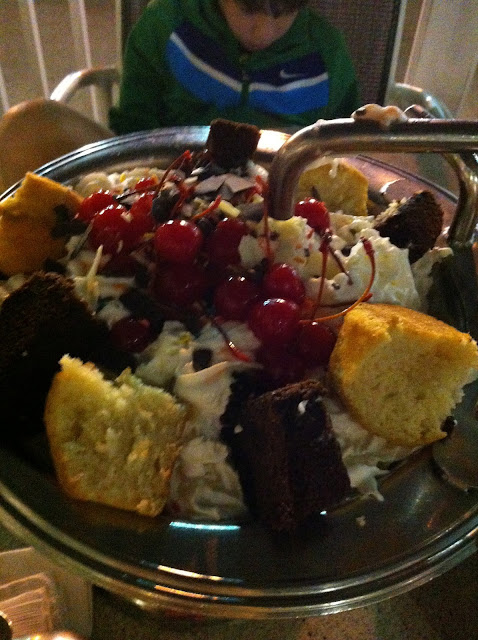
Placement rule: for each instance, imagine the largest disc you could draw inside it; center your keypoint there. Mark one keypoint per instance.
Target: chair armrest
(404, 95)
(102, 77)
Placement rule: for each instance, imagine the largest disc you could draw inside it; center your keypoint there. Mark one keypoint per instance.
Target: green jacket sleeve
(344, 95)
(140, 105)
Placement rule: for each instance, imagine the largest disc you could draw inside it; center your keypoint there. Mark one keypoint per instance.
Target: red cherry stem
(175, 164)
(184, 192)
(236, 352)
(257, 189)
(265, 191)
(214, 205)
(339, 263)
(135, 191)
(155, 188)
(366, 295)
(252, 192)
(328, 234)
(324, 250)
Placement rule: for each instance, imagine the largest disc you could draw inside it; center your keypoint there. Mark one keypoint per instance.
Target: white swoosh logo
(288, 76)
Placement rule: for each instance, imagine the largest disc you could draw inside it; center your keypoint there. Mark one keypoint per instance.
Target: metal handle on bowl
(349, 136)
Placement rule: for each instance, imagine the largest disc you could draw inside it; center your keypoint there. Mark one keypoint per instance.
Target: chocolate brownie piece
(414, 225)
(290, 462)
(232, 144)
(40, 322)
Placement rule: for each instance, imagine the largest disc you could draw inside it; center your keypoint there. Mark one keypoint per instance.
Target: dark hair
(273, 7)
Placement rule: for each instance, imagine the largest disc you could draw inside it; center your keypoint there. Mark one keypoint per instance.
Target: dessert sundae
(202, 359)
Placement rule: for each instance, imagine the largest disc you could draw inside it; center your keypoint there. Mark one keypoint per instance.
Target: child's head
(272, 7)
(259, 23)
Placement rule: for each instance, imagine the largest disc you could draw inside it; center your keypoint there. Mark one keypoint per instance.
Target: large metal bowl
(423, 527)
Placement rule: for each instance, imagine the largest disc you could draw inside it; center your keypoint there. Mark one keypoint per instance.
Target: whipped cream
(164, 358)
(383, 116)
(203, 484)
(422, 272)
(365, 455)
(296, 244)
(8, 286)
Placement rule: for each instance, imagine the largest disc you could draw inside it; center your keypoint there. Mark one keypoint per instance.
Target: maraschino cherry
(283, 281)
(233, 298)
(274, 321)
(178, 241)
(315, 212)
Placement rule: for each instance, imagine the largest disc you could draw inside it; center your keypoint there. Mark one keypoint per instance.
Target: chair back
(371, 30)
(130, 12)
(23, 149)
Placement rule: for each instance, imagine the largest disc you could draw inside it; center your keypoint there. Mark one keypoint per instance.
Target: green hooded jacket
(183, 66)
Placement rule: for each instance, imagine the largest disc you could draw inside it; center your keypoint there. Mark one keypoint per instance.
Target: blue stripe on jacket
(200, 65)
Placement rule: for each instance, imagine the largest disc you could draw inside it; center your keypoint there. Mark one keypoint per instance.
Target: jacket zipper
(246, 81)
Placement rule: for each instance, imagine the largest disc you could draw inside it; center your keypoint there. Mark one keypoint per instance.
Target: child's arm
(141, 106)
(344, 95)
